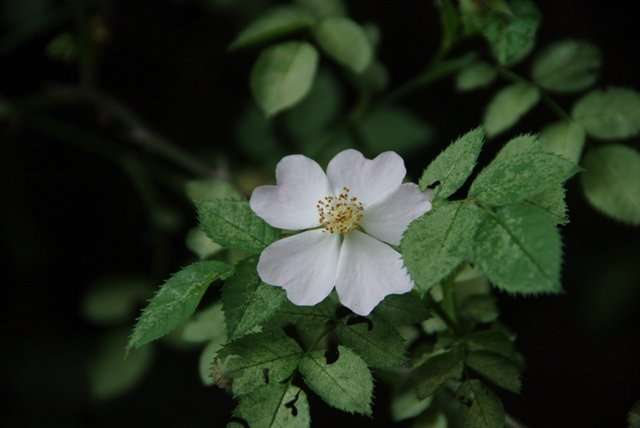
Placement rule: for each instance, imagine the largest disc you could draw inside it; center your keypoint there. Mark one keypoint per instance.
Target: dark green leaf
(344, 41)
(402, 309)
(394, 129)
(497, 369)
(282, 75)
(519, 249)
(277, 405)
(345, 384)
(176, 301)
(567, 66)
(260, 359)
(274, 23)
(508, 106)
(233, 225)
(634, 416)
(247, 301)
(436, 371)
(609, 114)
(482, 408)
(453, 166)
(553, 202)
(324, 8)
(611, 182)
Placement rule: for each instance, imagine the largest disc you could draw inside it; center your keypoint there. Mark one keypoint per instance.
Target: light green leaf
(512, 35)
(110, 374)
(508, 106)
(437, 370)
(274, 23)
(480, 308)
(405, 404)
(438, 242)
(176, 301)
(553, 202)
(324, 8)
(402, 309)
(274, 406)
(114, 300)
(519, 171)
(345, 384)
(453, 166)
(564, 139)
(497, 369)
(247, 301)
(233, 225)
(211, 189)
(199, 243)
(394, 129)
(316, 112)
(344, 41)
(611, 182)
(634, 416)
(520, 250)
(567, 66)
(207, 359)
(609, 114)
(259, 359)
(283, 75)
(207, 325)
(482, 408)
(475, 76)
(378, 343)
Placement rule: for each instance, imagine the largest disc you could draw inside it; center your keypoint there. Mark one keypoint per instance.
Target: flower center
(340, 214)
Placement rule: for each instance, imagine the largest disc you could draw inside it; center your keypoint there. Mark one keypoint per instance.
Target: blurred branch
(135, 130)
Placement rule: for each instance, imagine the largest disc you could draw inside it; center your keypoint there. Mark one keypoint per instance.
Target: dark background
(71, 215)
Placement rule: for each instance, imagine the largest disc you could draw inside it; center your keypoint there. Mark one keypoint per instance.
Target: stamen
(340, 214)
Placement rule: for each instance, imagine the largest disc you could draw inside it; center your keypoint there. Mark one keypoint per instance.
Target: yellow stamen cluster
(340, 214)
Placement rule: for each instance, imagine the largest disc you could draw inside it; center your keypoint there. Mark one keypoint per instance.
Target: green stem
(546, 99)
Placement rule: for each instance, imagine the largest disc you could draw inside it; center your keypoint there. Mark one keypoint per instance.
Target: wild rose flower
(350, 218)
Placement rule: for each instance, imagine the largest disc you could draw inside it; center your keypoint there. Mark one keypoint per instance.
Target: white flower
(349, 217)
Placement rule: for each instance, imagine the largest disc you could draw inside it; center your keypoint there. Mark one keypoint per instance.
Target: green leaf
(438, 242)
(207, 325)
(521, 170)
(257, 138)
(564, 139)
(114, 300)
(634, 416)
(567, 66)
(553, 202)
(609, 114)
(508, 106)
(436, 371)
(110, 374)
(497, 369)
(405, 404)
(274, 406)
(402, 309)
(324, 8)
(394, 129)
(377, 342)
(450, 23)
(208, 357)
(611, 182)
(176, 301)
(512, 35)
(344, 41)
(475, 76)
(453, 166)
(494, 341)
(482, 408)
(480, 308)
(211, 189)
(199, 243)
(316, 112)
(247, 301)
(283, 75)
(345, 384)
(274, 23)
(260, 359)
(519, 249)
(233, 225)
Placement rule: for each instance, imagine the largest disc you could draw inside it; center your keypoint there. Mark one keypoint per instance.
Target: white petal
(369, 180)
(368, 271)
(305, 265)
(388, 219)
(291, 204)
